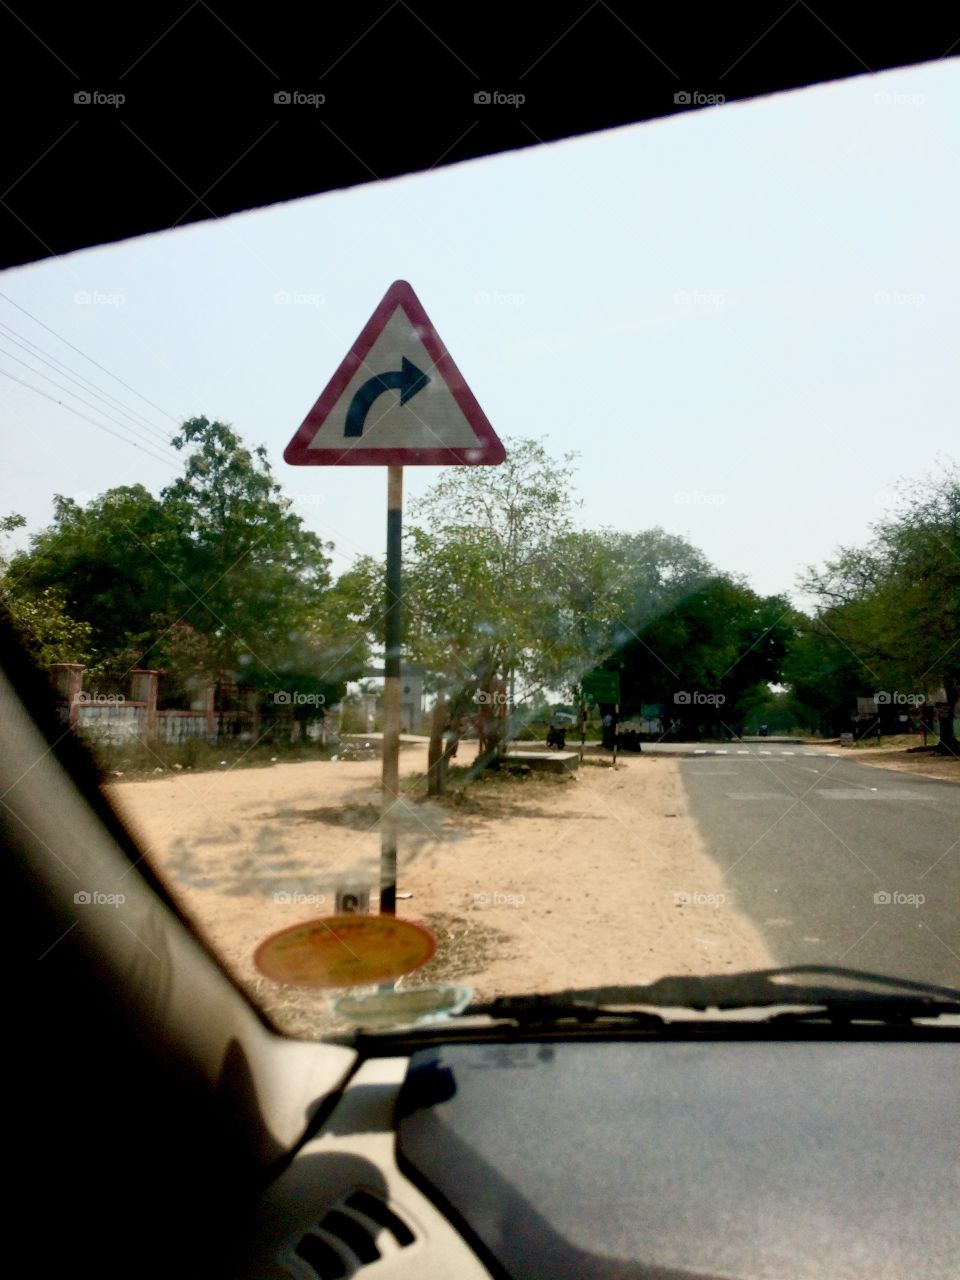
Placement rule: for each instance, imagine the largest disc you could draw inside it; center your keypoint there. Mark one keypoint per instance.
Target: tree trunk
(948, 740)
(436, 756)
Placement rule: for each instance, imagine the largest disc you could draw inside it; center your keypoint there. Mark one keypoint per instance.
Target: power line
(60, 387)
(70, 409)
(127, 426)
(90, 358)
(45, 357)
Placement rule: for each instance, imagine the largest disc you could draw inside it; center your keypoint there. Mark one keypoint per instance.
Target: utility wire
(126, 440)
(90, 358)
(45, 357)
(60, 387)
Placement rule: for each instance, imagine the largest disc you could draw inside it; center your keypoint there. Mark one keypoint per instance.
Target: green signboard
(602, 686)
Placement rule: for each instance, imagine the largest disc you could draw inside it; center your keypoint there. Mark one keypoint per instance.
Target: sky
(745, 320)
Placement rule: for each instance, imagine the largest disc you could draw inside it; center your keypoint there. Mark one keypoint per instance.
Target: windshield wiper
(562, 1006)
(902, 1000)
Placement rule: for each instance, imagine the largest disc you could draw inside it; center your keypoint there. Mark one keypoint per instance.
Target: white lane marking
(764, 753)
(849, 793)
(699, 752)
(787, 753)
(743, 753)
(759, 795)
(721, 752)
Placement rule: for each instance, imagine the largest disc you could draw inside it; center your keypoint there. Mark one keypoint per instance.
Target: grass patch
(463, 947)
(507, 780)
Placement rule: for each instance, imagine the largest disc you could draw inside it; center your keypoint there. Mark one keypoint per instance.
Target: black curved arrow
(408, 380)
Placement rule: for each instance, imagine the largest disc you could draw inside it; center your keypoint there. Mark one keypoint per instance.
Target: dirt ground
(923, 763)
(529, 884)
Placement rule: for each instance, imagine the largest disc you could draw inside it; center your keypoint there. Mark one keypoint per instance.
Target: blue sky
(745, 319)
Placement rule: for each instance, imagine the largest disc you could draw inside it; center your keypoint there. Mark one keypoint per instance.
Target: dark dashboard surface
(667, 1160)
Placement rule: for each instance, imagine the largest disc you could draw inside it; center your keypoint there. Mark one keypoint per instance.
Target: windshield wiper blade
(903, 998)
(891, 1009)
(533, 1010)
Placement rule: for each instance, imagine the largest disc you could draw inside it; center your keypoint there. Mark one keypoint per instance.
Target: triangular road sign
(396, 400)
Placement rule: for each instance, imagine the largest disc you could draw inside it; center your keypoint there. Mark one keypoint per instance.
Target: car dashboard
(683, 1159)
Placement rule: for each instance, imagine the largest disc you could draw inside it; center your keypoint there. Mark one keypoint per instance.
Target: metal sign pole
(391, 697)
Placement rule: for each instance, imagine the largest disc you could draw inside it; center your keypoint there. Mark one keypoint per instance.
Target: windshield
(661, 673)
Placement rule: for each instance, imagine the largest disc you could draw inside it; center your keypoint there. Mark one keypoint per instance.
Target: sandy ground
(535, 883)
(925, 764)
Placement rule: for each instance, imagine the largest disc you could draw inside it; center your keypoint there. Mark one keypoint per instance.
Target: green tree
(40, 618)
(216, 579)
(613, 585)
(242, 568)
(896, 603)
(824, 674)
(481, 584)
(704, 656)
(107, 562)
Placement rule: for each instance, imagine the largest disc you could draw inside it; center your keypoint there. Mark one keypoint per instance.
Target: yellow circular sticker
(345, 951)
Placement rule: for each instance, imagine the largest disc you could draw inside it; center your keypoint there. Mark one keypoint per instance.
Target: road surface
(834, 862)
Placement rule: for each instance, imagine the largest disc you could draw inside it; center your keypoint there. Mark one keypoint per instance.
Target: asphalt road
(834, 862)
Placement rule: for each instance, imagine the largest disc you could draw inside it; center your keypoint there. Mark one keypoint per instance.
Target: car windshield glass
(538, 573)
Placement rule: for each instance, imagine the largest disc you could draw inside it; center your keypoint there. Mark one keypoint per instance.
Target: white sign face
(396, 400)
(352, 900)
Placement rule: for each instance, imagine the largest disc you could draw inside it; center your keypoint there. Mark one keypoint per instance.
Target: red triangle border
(490, 450)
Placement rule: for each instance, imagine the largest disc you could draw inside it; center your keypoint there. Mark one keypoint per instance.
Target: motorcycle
(557, 737)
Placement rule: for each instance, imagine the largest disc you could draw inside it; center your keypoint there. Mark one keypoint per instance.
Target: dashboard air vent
(353, 1233)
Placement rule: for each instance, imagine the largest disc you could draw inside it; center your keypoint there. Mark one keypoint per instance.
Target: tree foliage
(705, 655)
(895, 604)
(215, 579)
